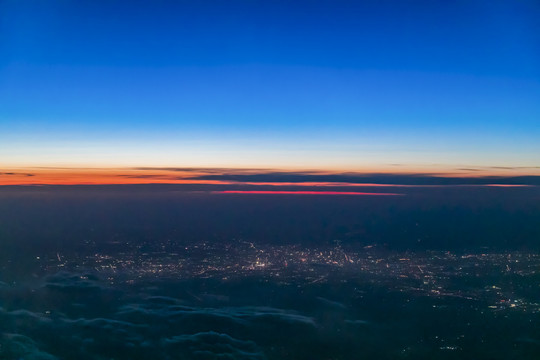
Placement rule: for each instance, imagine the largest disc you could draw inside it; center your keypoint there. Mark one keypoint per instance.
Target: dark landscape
(172, 273)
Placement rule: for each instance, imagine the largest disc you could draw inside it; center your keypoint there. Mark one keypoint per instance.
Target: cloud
(15, 174)
(300, 192)
(514, 167)
(169, 319)
(212, 345)
(331, 303)
(382, 179)
(16, 346)
(203, 170)
(72, 315)
(155, 327)
(143, 176)
(230, 318)
(66, 281)
(268, 177)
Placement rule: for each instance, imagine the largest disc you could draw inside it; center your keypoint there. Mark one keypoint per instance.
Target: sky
(370, 87)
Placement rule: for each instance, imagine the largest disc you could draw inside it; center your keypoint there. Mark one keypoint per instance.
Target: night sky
(370, 87)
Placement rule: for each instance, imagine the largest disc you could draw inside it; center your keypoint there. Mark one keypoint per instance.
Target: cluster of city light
(429, 273)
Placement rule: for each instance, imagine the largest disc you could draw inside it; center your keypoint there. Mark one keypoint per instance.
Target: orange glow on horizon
(132, 176)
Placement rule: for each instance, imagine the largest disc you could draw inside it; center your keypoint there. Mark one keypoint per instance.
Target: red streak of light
(264, 192)
(508, 185)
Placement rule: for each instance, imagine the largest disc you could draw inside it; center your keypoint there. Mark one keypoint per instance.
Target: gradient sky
(359, 86)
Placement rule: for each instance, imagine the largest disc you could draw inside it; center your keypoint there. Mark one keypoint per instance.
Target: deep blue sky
(276, 83)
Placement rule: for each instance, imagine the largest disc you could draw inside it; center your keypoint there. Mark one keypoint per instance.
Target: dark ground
(62, 313)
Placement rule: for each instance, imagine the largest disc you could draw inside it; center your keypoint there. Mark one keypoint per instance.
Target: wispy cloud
(373, 179)
(474, 176)
(15, 174)
(300, 192)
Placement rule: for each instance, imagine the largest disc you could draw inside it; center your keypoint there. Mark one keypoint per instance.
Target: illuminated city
(497, 277)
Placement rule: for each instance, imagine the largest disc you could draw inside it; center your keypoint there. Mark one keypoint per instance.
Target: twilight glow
(90, 91)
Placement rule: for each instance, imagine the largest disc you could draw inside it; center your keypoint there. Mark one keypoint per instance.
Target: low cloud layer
(383, 179)
(15, 174)
(78, 316)
(91, 316)
(464, 176)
